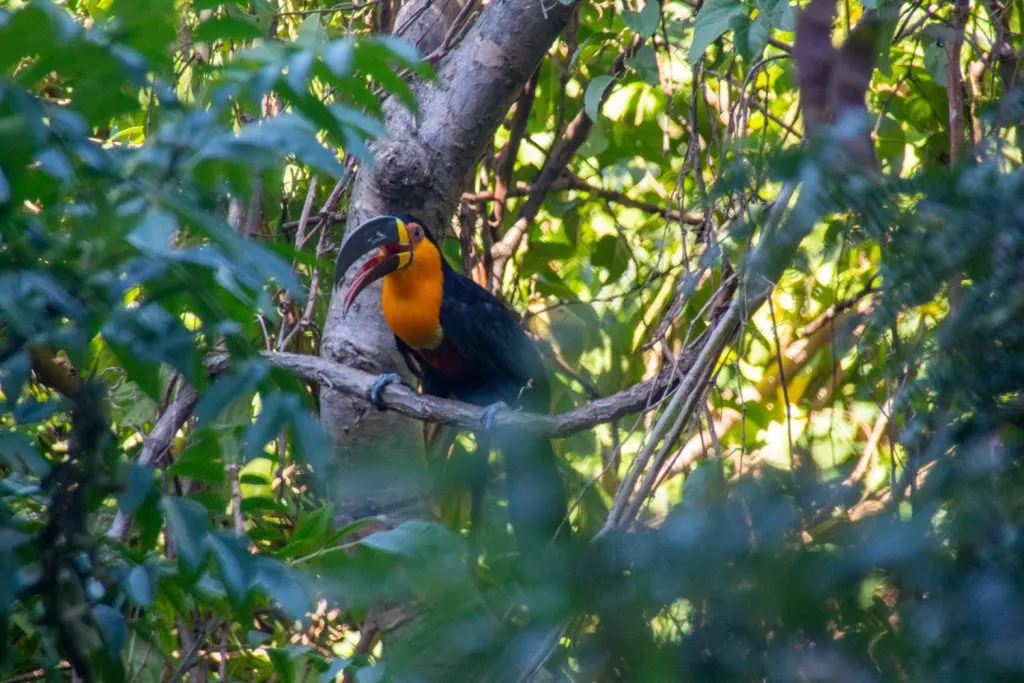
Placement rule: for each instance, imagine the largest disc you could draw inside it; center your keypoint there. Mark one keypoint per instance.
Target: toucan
(463, 343)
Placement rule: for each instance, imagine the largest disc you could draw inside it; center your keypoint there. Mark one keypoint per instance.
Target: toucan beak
(385, 234)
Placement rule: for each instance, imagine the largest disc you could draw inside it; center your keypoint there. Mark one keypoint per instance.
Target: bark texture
(422, 169)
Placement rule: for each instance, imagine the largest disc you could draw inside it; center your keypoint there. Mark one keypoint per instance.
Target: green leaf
(19, 453)
(645, 22)
(645, 63)
(240, 381)
(111, 623)
(14, 373)
(413, 538)
(935, 60)
(400, 48)
(311, 32)
(144, 375)
(371, 674)
(228, 27)
(214, 4)
(32, 411)
(284, 585)
(594, 94)
(285, 665)
(267, 426)
(314, 523)
(201, 461)
(338, 664)
(712, 22)
(138, 485)
(353, 118)
(338, 57)
(703, 484)
(140, 586)
(610, 252)
(540, 254)
(754, 37)
(147, 26)
(237, 565)
(313, 445)
(189, 526)
(778, 13)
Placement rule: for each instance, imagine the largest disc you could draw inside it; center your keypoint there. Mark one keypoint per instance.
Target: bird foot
(378, 385)
(487, 419)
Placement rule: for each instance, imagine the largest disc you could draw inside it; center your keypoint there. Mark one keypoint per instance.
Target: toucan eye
(417, 231)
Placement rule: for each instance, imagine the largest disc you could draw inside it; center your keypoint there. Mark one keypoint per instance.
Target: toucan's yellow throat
(411, 267)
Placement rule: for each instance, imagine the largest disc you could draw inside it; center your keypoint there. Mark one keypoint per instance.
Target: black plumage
(486, 357)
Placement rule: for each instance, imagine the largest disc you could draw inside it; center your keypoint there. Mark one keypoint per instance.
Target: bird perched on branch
(462, 343)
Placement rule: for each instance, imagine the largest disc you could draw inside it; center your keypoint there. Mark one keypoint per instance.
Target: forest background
(788, 353)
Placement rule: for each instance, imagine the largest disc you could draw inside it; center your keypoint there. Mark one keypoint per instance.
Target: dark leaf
(237, 565)
(138, 485)
(201, 461)
(188, 523)
(140, 586)
(19, 454)
(268, 425)
(313, 445)
(227, 27)
(285, 586)
(112, 626)
(30, 411)
(240, 381)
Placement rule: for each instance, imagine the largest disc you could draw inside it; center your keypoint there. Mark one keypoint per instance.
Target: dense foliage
(837, 498)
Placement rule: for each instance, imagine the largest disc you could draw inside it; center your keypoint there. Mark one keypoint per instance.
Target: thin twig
(236, 499)
(193, 652)
(575, 135)
(782, 380)
(157, 444)
(571, 181)
(343, 7)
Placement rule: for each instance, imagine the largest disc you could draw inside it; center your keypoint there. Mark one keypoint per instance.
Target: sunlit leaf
(311, 32)
(713, 20)
(594, 94)
(645, 22)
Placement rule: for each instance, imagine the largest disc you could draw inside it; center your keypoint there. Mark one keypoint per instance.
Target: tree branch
(571, 181)
(401, 399)
(53, 374)
(157, 443)
(955, 80)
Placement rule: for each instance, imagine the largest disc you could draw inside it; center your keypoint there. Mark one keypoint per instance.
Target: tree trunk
(422, 169)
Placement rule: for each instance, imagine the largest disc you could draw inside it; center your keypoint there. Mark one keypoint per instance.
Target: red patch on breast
(446, 360)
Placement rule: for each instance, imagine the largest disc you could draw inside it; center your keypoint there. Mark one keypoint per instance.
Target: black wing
(489, 338)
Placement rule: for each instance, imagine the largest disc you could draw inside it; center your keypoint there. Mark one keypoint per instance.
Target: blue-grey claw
(487, 419)
(378, 386)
